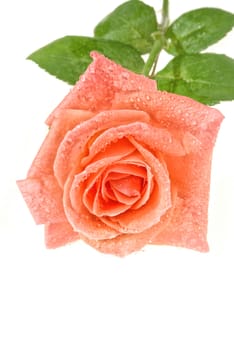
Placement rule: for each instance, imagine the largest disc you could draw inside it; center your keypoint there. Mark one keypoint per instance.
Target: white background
(74, 297)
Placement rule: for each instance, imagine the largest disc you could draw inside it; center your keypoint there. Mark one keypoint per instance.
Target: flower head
(123, 165)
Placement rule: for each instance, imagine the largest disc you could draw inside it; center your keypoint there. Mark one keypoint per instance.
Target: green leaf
(207, 77)
(67, 58)
(194, 31)
(131, 23)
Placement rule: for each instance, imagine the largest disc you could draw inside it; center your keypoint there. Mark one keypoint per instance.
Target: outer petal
(186, 229)
(59, 234)
(191, 174)
(175, 112)
(43, 196)
(156, 139)
(40, 189)
(97, 87)
(125, 244)
(65, 120)
(121, 245)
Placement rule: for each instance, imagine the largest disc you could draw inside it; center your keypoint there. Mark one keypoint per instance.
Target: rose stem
(159, 38)
(165, 15)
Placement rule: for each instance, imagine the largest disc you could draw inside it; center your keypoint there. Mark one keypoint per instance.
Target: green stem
(165, 15)
(150, 64)
(157, 47)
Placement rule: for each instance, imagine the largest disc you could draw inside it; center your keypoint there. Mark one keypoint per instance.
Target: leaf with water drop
(67, 58)
(131, 23)
(196, 30)
(208, 78)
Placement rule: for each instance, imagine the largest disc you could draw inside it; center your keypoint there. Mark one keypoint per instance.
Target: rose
(123, 165)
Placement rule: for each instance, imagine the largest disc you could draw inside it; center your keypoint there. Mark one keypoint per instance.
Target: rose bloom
(123, 165)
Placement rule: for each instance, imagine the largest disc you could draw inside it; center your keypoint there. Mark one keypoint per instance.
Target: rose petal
(131, 165)
(120, 170)
(44, 199)
(74, 146)
(93, 196)
(125, 244)
(64, 121)
(160, 200)
(80, 194)
(191, 143)
(59, 234)
(122, 148)
(129, 186)
(92, 172)
(191, 173)
(96, 204)
(121, 245)
(79, 217)
(175, 112)
(184, 230)
(40, 190)
(126, 199)
(156, 139)
(97, 87)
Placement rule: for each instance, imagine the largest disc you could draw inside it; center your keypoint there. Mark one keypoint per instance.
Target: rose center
(115, 189)
(130, 186)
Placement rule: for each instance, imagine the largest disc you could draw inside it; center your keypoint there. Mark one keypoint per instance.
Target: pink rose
(123, 165)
